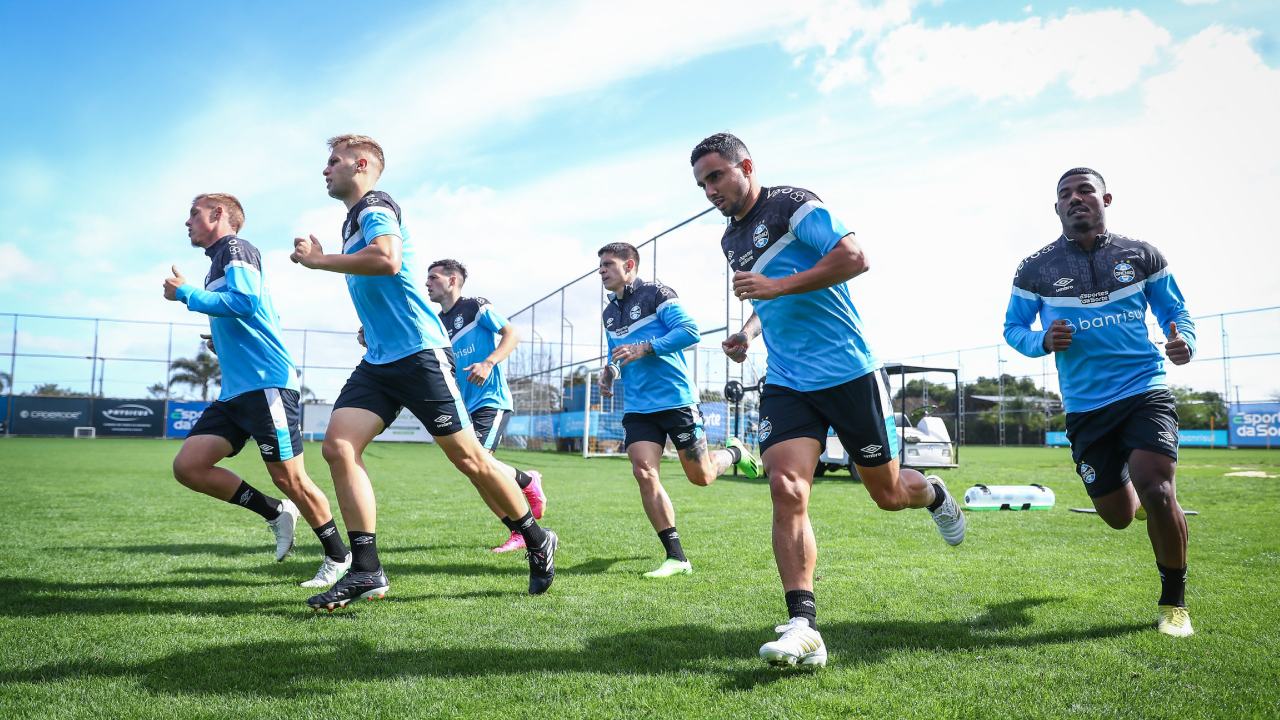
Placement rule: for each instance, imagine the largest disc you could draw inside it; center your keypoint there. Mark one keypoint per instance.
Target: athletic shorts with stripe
(272, 417)
(490, 424)
(858, 410)
(422, 382)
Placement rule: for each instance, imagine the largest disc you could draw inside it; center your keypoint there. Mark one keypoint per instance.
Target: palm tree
(5, 382)
(201, 372)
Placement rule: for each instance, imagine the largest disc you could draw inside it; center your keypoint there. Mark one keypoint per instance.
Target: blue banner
(4, 413)
(1255, 425)
(181, 416)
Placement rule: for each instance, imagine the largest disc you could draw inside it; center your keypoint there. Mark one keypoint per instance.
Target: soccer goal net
(85, 433)
(601, 420)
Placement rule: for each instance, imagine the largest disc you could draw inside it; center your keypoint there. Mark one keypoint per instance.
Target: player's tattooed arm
(735, 346)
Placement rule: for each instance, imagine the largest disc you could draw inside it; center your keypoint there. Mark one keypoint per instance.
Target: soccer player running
(647, 330)
(473, 324)
(259, 395)
(792, 259)
(408, 364)
(1091, 289)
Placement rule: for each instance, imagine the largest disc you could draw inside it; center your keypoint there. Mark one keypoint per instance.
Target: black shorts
(683, 425)
(490, 424)
(1102, 439)
(859, 412)
(422, 382)
(272, 417)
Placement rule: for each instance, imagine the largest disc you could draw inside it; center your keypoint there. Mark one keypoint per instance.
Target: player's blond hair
(229, 204)
(360, 142)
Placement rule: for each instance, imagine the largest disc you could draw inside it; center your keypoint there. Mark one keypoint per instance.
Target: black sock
(801, 604)
(364, 551)
(534, 536)
(671, 541)
(1173, 585)
(735, 454)
(331, 540)
(939, 496)
(522, 478)
(265, 505)
(511, 524)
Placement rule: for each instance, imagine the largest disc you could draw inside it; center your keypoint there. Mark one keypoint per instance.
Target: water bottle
(1008, 497)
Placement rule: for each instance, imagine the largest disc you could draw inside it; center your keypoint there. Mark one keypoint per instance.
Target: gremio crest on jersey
(760, 236)
(1123, 272)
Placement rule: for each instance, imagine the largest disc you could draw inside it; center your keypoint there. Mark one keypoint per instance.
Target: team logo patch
(1087, 473)
(1123, 272)
(766, 429)
(871, 450)
(457, 323)
(635, 312)
(760, 236)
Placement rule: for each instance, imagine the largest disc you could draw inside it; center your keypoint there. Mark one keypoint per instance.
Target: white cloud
(14, 264)
(916, 64)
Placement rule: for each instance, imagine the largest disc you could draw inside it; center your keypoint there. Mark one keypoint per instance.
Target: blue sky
(526, 135)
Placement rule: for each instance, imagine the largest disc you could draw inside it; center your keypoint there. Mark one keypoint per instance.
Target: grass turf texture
(126, 595)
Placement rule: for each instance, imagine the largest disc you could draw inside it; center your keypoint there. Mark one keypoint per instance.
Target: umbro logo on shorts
(871, 450)
(444, 420)
(1167, 436)
(683, 436)
(265, 447)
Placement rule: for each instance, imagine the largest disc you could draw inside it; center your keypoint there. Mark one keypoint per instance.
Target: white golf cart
(925, 445)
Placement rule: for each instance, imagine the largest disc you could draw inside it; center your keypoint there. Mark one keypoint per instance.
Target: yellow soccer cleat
(1175, 621)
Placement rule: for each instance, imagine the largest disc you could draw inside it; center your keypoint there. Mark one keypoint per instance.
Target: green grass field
(126, 595)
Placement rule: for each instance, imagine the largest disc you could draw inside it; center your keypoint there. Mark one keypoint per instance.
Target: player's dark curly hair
(622, 251)
(726, 144)
(1084, 171)
(453, 267)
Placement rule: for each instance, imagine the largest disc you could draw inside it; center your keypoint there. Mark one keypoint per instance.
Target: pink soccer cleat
(515, 542)
(534, 494)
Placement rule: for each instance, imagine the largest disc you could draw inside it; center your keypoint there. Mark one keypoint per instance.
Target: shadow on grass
(292, 669)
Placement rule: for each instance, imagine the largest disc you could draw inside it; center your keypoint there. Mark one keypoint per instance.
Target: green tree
(1199, 410)
(158, 391)
(200, 372)
(6, 382)
(53, 390)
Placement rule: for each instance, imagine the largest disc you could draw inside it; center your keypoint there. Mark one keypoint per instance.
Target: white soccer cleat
(329, 573)
(948, 516)
(283, 528)
(799, 644)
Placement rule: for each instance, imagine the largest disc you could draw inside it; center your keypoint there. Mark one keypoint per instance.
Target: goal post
(85, 433)
(602, 420)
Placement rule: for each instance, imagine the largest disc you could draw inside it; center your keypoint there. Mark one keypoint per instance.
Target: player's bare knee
(470, 465)
(337, 450)
(1157, 495)
(789, 489)
(186, 472)
(1116, 521)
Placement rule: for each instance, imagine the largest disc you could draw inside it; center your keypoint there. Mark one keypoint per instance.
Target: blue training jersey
(242, 320)
(473, 327)
(652, 311)
(397, 319)
(1103, 294)
(814, 339)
